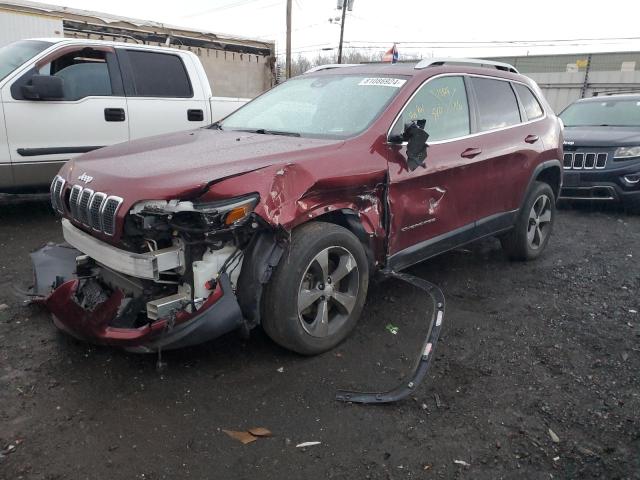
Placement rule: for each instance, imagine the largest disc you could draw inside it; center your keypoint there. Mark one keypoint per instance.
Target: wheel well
(350, 220)
(551, 175)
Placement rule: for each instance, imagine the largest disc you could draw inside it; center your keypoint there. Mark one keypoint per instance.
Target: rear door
(42, 135)
(435, 205)
(510, 146)
(160, 94)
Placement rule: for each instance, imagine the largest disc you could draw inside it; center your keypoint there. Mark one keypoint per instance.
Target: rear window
(159, 75)
(530, 103)
(497, 104)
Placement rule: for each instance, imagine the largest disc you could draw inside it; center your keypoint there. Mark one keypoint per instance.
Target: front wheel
(534, 224)
(317, 292)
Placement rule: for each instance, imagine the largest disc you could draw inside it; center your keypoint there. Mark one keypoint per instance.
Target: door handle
(114, 114)
(531, 138)
(471, 152)
(195, 115)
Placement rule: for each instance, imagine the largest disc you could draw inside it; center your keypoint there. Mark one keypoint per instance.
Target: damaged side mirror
(416, 138)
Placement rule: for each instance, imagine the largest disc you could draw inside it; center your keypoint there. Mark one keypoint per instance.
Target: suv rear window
(497, 104)
(159, 75)
(530, 103)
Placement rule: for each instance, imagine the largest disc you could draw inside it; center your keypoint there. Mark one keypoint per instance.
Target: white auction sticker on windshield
(383, 82)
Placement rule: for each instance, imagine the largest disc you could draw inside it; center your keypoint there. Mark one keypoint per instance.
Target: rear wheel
(533, 226)
(317, 292)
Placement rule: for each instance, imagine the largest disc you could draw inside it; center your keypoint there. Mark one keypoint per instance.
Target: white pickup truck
(62, 97)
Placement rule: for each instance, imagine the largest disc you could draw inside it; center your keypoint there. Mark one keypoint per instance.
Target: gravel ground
(536, 376)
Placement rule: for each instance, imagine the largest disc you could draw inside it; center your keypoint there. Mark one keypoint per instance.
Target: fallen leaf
(3, 306)
(244, 437)
(554, 437)
(260, 432)
(280, 370)
(307, 444)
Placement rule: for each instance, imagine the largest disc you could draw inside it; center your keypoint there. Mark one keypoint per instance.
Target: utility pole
(288, 61)
(344, 15)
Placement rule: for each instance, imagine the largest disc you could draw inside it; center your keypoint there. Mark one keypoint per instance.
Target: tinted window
(497, 104)
(85, 73)
(443, 104)
(530, 103)
(611, 112)
(159, 75)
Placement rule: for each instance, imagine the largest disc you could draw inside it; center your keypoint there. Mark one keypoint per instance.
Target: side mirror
(44, 87)
(416, 138)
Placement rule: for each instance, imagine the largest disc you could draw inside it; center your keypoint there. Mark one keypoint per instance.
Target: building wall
(566, 78)
(18, 26)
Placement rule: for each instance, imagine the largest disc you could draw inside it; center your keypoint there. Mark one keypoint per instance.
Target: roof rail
(329, 66)
(478, 62)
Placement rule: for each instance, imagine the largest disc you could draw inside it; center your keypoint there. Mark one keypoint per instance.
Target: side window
(159, 75)
(85, 73)
(442, 102)
(497, 104)
(531, 105)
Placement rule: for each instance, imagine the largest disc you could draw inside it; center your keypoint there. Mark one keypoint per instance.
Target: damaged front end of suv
(169, 282)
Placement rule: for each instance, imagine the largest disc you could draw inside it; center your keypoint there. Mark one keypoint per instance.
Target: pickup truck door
(434, 205)
(6, 175)
(43, 134)
(164, 92)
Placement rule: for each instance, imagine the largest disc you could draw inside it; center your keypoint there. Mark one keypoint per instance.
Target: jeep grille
(584, 161)
(95, 210)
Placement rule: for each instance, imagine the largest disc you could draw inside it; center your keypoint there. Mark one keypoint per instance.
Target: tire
(533, 226)
(304, 308)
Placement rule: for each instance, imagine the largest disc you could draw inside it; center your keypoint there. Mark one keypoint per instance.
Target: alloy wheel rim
(539, 223)
(328, 291)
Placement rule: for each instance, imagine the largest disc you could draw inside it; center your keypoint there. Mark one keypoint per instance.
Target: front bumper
(607, 185)
(218, 315)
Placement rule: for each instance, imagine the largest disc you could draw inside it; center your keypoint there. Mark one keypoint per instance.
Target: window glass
(442, 102)
(16, 54)
(159, 75)
(329, 106)
(605, 112)
(497, 104)
(85, 73)
(531, 105)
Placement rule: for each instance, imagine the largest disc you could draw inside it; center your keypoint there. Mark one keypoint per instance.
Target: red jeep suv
(279, 214)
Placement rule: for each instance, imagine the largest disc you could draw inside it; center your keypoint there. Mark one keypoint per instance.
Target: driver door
(43, 134)
(433, 208)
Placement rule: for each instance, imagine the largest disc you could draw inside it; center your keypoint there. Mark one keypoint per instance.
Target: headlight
(224, 212)
(624, 153)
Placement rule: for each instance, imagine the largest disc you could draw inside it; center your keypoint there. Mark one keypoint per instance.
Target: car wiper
(215, 126)
(262, 131)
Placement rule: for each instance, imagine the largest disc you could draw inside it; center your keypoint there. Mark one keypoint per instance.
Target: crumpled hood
(173, 165)
(594, 136)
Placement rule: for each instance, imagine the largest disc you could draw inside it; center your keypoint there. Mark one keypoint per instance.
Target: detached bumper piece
(421, 367)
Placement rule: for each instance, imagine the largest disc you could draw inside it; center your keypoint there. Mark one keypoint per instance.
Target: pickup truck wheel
(533, 226)
(317, 292)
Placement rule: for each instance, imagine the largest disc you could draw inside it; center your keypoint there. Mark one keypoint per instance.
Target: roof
(109, 20)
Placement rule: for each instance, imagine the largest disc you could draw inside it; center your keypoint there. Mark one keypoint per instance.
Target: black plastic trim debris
(419, 372)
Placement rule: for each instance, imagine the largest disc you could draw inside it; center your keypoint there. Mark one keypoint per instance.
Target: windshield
(15, 54)
(327, 106)
(608, 112)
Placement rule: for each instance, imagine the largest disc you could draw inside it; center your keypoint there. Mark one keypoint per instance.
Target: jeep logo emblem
(85, 178)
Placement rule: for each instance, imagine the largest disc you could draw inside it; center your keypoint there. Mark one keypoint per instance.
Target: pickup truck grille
(95, 210)
(584, 161)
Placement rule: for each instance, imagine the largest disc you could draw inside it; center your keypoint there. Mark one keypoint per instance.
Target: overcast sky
(377, 24)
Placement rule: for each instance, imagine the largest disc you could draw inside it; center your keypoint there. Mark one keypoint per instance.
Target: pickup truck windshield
(323, 106)
(15, 54)
(608, 112)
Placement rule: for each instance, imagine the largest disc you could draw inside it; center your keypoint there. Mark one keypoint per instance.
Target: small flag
(391, 55)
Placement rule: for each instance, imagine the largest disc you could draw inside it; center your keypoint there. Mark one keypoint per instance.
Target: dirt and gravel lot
(526, 348)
